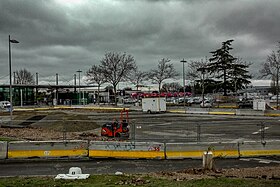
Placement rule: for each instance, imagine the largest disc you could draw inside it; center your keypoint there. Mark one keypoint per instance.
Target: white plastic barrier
(47, 149)
(149, 150)
(253, 148)
(3, 150)
(196, 150)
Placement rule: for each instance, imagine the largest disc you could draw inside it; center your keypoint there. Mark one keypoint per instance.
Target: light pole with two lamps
(10, 74)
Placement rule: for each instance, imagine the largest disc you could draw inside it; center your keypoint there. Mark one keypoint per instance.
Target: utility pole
(79, 71)
(56, 90)
(14, 77)
(36, 91)
(184, 84)
(75, 83)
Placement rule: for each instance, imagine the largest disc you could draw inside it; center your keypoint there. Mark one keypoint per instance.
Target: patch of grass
(134, 180)
(7, 139)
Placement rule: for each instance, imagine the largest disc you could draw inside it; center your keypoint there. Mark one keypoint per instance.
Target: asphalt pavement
(107, 166)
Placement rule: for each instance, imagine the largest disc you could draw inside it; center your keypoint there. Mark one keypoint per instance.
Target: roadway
(101, 166)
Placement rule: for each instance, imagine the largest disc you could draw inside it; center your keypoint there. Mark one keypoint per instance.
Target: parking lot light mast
(10, 74)
(184, 61)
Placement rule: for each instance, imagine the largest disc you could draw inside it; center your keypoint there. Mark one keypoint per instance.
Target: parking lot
(161, 127)
(174, 127)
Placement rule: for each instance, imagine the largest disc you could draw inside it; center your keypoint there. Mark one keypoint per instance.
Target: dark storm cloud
(59, 36)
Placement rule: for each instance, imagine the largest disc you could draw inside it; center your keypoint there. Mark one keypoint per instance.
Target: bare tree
(95, 76)
(115, 67)
(197, 71)
(137, 77)
(24, 77)
(194, 69)
(271, 69)
(164, 71)
(171, 87)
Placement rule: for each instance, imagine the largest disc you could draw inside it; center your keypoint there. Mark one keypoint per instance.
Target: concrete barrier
(191, 110)
(249, 112)
(221, 111)
(196, 150)
(132, 150)
(3, 149)
(252, 148)
(272, 113)
(47, 149)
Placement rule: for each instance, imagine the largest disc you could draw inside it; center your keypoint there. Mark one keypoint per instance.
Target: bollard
(207, 160)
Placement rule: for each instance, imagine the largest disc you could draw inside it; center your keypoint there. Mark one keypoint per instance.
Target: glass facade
(20, 94)
(31, 95)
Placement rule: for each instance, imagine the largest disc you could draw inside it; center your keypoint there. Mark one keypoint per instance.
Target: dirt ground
(50, 125)
(267, 173)
(40, 134)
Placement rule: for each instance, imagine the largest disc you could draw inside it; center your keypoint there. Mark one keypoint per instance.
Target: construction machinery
(117, 128)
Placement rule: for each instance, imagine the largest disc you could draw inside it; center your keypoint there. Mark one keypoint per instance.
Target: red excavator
(115, 128)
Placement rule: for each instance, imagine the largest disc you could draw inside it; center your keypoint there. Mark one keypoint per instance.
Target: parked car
(197, 100)
(245, 103)
(181, 100)
(128, 100)
(206, 104)
(5, 104)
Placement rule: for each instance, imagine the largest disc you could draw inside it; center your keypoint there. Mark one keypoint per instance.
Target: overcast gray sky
(62, 36)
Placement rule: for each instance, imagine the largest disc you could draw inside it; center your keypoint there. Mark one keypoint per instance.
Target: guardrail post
(164, 145)
(238, 149)
(262, 133)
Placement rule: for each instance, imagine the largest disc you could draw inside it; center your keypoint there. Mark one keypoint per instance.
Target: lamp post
(184, 61)
(10, 73)
(203, 71)
(79, 71)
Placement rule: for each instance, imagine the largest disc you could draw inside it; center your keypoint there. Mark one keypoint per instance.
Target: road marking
(161, 124)
(237, 140)
(260, 160)
(266, 161)
(257, 132)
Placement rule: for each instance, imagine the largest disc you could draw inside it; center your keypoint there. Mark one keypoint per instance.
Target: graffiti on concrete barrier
(47, 153)
(80, 146)
(230, 147)
(154, 148)
(119, 146)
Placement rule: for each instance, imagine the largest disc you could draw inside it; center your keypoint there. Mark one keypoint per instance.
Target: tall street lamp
(203, 71)
(79, 71)
(10, 73)
(184, 61)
